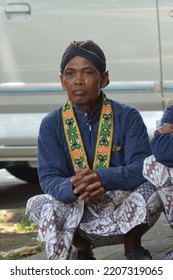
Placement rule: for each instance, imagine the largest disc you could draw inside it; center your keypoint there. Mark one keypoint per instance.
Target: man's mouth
(79, 92)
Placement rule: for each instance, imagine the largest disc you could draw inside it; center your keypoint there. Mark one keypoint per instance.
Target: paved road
(14, 192)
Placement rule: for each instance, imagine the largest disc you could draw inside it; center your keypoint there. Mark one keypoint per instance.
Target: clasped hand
(87, 184)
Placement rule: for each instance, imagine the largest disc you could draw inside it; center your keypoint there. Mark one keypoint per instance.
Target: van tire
(24, 173)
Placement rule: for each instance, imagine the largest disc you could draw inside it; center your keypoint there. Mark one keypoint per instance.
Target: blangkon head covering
(86, 49)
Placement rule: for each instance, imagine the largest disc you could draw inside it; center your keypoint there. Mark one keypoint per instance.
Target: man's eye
(69, 73)
(88, 72)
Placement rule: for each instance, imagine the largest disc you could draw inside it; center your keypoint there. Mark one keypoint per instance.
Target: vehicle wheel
(24, 173)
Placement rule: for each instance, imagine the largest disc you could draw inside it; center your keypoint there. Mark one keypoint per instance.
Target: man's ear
(62, 83)
(104, 79)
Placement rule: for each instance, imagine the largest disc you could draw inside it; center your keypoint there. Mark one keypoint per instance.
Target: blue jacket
(125, 173)
(162, 143)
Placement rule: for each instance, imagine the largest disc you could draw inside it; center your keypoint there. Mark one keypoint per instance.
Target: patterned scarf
(104, 139)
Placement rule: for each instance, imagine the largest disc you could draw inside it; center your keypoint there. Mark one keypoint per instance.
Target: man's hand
(87, 184)
(166, 128)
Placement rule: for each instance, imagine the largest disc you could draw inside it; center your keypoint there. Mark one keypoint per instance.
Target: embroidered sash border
(104, 139)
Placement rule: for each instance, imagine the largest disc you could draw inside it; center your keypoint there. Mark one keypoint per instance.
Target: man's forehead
(79, 62)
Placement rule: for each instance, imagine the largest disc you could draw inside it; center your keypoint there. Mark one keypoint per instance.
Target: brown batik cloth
(161, 176)
(100, 222)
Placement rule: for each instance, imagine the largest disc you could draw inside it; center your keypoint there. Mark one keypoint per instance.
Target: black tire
(24, 173)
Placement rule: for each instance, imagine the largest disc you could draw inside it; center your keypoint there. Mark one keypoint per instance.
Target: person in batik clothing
(90, 159)
(158, 168)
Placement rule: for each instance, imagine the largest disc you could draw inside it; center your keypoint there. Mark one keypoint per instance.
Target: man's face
(83, 82)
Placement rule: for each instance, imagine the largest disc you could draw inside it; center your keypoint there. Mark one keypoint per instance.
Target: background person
(90, 159)
(158, 168)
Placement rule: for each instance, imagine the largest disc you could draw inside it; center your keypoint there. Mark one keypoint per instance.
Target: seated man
(158, 168)
(90, 159)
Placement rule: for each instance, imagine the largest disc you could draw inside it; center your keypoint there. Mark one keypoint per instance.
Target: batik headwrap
(86, 49)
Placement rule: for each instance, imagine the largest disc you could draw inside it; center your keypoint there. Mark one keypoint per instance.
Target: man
(90, 158)
(158, 168)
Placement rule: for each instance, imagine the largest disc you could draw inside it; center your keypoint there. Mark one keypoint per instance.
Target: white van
(137, 39)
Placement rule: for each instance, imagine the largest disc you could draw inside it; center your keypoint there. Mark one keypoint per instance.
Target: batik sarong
(161, 176)
(102, 222)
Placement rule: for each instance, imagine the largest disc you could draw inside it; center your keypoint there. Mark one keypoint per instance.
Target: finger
(91, 178)
(80, 189)
(93, 187)
(96, 193)
(88, 179)
(81, 170)
(81, 173)
(77, 170)
(84, 196)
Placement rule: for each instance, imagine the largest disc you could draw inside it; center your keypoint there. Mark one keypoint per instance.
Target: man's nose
(79, 79)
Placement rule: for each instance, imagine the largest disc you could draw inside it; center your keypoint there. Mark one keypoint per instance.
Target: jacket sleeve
(52, 167)
(162, 143)
(136, 148)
